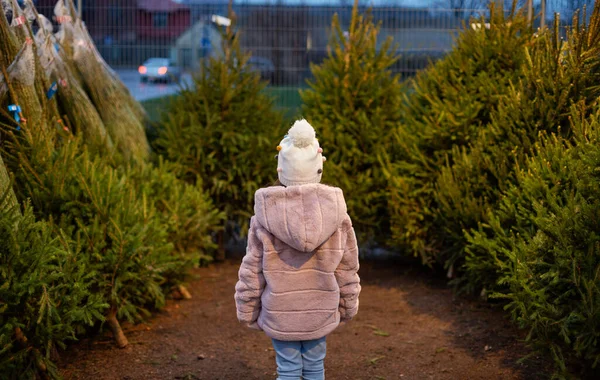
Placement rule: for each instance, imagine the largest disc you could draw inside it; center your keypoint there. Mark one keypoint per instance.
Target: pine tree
(450, 104)
(222, 131)
(99, 207)
(46, 297)
(186, 212)
(545, 244)
(354, 102)
(558, 74)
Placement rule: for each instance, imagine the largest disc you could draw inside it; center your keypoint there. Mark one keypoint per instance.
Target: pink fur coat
(299, 277)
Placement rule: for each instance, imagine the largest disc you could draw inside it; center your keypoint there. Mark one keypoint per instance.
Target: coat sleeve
(251, 283)
(347, 278)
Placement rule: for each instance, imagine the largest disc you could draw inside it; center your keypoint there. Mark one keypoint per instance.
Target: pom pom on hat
(300, 158)
(302, 134)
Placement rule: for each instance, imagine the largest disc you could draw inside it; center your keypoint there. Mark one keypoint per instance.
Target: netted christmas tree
(7, 195)
(122, 116)
(222, 131)
(450, 104)
(18, 68)
(78, 110)
(353, 103)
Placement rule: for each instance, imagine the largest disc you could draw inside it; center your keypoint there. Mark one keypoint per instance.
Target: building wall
(150, 26)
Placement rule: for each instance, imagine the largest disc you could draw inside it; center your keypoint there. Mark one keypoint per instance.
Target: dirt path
(408, 327)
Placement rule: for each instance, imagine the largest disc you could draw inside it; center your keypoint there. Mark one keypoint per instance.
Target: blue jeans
(300, 359)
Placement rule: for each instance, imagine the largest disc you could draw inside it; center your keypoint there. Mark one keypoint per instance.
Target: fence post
(543, 14)
(530, 12)
(195, 64)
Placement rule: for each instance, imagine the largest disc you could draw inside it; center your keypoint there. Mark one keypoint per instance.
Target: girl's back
(302, 258)
(299, 277)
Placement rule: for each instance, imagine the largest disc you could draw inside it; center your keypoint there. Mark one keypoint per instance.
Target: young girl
(299, 278)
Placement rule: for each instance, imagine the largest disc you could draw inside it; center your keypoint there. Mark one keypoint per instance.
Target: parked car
(159, 69)
(262, 65)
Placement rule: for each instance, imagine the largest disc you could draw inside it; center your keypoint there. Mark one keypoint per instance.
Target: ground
(409, 326)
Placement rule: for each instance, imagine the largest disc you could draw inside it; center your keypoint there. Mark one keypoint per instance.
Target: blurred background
(285, 36)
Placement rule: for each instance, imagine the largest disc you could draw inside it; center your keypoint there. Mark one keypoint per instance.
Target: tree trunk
(117, 331)
(24, 344)
(184, 292)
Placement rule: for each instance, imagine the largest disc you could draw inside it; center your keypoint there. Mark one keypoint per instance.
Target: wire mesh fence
(284, 39)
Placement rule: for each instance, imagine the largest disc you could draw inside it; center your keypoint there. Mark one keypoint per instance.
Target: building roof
(160, 5)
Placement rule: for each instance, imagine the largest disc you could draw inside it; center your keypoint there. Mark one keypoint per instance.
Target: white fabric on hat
(299, 160)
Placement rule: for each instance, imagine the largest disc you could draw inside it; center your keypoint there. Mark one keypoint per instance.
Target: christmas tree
(7, 195)
(450, 104)
(222, 131)
(47, 294)
(354, 103)
(544, 239)
(559, 73)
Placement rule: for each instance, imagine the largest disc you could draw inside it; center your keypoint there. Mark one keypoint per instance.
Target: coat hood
(303, 217)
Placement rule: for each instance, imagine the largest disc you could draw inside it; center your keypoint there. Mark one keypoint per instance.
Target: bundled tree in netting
(449, 106)
(119, 112)
(73, 101)
(18, 69)
(22, 29)
(8, 198)
(548, 257)
(66, 12)
(220, 131)
(558, 73)
(354, 101)
(47, 69)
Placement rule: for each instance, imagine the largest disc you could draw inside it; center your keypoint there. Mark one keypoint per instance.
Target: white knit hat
(300, 159)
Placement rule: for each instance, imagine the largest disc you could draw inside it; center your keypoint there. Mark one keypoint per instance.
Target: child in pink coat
(299, 278)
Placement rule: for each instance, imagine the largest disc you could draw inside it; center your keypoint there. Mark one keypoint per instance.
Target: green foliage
(497, 178)
(185, 212)
(353, 103)
(98, 205)
(450, 105)
(558, 74)
(129, 232)
(549, 255)
(220, 131)
(46, 294)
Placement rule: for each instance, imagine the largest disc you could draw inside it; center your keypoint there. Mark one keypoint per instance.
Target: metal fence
(284, 39)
